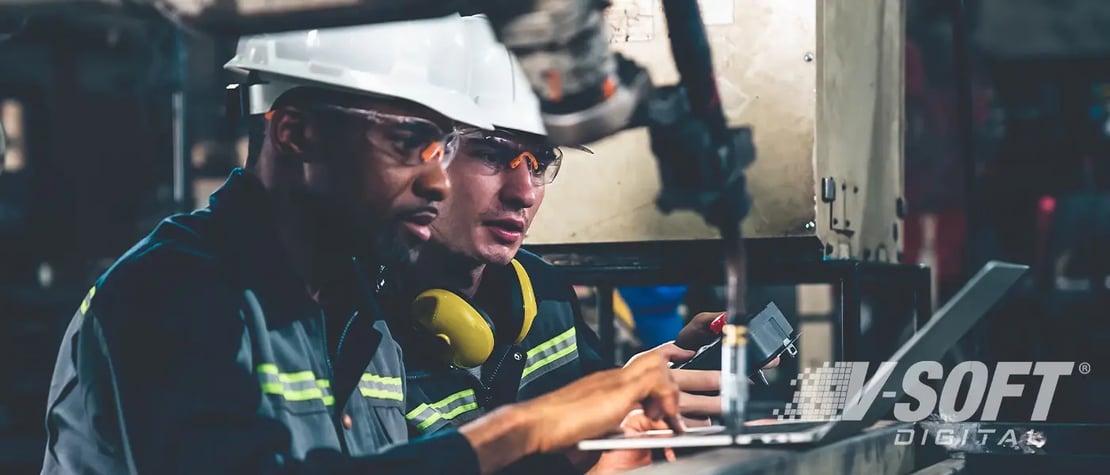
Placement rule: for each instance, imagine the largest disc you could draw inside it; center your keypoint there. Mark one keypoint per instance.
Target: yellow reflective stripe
(303, 394)
(452, 398)
(434, 409)
(550, 358)
(460, 410)
(298, 377)
(552, 342)
(87, 301)
(429, 421)
(373, 378)
(325, 384)
(269, 372)
(381, 387)
(436, 416)
(417, 410)
(382, 394)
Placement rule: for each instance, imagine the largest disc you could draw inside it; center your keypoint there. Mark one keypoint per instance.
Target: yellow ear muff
(528, 299)
(455, 322)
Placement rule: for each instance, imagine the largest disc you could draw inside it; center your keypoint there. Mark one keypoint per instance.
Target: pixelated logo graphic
(842, 390)
(822, 393)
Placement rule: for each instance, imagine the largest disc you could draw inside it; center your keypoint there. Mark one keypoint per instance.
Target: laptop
(930, 343)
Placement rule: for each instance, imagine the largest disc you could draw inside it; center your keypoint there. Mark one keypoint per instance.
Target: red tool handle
(718, 324)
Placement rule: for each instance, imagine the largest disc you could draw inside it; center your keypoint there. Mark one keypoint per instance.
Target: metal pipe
(181, 192)
(606, 324)
(180, 164)
(961, 58)
(694, 61)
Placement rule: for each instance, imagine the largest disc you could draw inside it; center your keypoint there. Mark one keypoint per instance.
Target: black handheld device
(769, 336)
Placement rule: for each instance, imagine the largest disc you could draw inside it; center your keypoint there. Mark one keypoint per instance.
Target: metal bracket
(828, 189)
(828, 195)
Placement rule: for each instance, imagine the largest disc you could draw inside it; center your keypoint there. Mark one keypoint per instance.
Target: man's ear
(293, 132)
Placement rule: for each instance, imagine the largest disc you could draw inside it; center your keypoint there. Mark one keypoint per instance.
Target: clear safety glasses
(407, 140)
(500, 151)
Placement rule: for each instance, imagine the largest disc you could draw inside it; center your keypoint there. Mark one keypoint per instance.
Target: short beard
(392, 250)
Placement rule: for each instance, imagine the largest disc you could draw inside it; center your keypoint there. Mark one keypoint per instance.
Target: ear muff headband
(529, 308)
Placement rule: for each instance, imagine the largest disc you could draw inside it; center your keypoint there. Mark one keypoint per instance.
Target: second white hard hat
(497, 83)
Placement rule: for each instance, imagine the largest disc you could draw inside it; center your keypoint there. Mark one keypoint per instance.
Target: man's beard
(393, 248)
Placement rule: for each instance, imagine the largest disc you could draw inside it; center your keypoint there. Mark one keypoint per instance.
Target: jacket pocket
(377, 427)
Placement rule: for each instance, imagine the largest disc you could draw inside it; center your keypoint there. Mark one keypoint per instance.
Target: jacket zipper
(343, 334)
(331, 369)
(331, 376)
(488, 396)
(327, 351)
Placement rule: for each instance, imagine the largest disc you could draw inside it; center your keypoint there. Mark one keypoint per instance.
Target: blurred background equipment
(655, 311)
(830, 190)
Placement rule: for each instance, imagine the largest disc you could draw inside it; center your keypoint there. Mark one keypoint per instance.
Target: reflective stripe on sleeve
(549, 356)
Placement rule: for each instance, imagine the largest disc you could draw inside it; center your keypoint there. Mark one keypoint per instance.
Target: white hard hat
(424, 61)
(497, 83)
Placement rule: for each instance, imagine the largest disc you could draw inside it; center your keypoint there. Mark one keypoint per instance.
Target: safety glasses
(501, 151)
(406, 140)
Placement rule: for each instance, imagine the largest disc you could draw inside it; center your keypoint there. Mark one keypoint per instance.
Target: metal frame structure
(784, 261)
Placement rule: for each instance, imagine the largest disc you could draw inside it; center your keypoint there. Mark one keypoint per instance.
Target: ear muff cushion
(524, 299)
(453, 320)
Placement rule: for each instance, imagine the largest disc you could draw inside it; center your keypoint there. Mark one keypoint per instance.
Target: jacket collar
(244, 211)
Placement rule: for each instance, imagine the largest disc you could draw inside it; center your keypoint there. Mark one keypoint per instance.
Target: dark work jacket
(559, 349)
(169, 367)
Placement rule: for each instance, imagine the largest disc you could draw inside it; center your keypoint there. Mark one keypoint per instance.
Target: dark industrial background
(115, 122)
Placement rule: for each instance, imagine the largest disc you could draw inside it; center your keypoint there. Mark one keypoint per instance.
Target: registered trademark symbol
(1085, 367)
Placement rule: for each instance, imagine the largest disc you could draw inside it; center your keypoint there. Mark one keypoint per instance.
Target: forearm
(501, 437)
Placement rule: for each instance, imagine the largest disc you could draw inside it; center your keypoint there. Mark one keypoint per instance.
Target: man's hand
(616, 461)
(688, 381)
(698, 332)
(596, 404)
(697, 381)
(590, 407)
(669, 351)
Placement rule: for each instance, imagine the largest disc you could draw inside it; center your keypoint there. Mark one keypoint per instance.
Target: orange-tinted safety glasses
(409, 140)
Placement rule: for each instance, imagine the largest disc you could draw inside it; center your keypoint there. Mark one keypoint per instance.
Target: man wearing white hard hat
(246, 337)
(482, 322)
